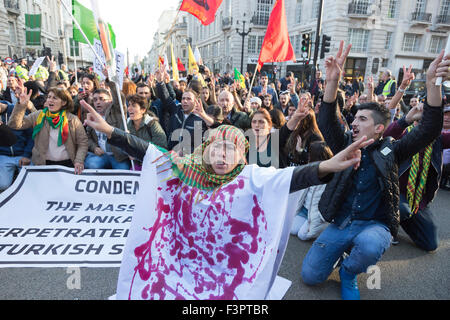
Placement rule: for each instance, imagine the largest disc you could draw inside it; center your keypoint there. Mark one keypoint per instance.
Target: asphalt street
(406, 272)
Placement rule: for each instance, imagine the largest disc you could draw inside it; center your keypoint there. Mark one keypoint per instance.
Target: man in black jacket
(362, 204)
(188, 121)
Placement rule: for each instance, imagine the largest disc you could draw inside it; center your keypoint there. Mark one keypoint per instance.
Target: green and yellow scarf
(414, 191)
(193, 170)
(57, 121)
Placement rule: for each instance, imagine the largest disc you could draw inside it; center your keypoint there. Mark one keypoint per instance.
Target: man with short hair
(387, 86)
(101, 155)
(230, 112)
(184, 118)
(362, 203)
(286, 81)
(264, 89)
(10, 93)
(22, 70)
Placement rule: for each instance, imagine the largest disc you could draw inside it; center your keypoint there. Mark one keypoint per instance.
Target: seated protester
(184, 118)
(154, 104)
(305, 134)
(89, 83)
(17, 154)
(291, 111)
(308, 223)
(215, 112)
(362, 203)
(9, 95)
(59, 136)
(230, 112)
(267, 147)
(267, 102)
(286, 99)
(38, 94)
(419, 178)
(278, 119)
(8, 138)
(101, 155)
(144, 124)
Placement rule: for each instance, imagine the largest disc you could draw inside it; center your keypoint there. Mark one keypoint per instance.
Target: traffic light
(306, 45)
(326, 42)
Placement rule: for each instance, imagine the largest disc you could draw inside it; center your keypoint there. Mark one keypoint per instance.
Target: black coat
(387, 155)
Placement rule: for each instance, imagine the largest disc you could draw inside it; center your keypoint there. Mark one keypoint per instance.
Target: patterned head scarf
(194, 171)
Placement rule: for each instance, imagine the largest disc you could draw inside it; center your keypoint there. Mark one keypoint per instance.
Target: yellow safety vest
(22, 73)
(387, 88)
(41, 74)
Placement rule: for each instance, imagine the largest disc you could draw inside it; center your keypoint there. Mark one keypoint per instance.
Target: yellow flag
(193, 67)
(175, 73)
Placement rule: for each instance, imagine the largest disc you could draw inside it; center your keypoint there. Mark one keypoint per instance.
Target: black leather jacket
(302, 178)
(387, 155)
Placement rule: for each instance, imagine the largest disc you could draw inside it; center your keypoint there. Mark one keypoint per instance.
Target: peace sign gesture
(23, 94)
(335, 65)
(51, 64)
(408, 76)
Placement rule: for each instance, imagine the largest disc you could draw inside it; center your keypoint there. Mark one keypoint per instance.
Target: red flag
(277, 46)
(204, 10)
(181, 67)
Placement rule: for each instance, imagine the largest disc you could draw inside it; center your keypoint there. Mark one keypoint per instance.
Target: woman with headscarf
(207, 226)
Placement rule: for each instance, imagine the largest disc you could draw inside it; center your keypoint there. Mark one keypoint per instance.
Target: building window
(388, 45)
(359, 7)
(12, 32)
(384, 63)
(298, 41)
(445, 8)
(251, 44)
(411, 42)
(420, 6)
(359, 38)
(263, 9)
(437, 44)
(298, 11)
(260, 43)
(392, 11)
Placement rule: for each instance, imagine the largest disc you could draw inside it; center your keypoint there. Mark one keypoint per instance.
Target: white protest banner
(120, 66)
(36, 66)
(99, 65)
(53, 218)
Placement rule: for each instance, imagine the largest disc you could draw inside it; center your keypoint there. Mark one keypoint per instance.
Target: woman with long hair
(298, 144)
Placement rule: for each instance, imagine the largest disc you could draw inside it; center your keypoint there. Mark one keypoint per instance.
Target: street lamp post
(243, 34)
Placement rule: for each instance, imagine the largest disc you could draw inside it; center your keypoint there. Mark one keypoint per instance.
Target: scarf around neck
(56, 121)
(192, 169)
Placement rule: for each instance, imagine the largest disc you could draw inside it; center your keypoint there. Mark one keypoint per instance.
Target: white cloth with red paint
(186, 243)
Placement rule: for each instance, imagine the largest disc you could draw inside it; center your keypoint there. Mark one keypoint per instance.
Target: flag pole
(81, 30)
(169, 33)
(99, 59)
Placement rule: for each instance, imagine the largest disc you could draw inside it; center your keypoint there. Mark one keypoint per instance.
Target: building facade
(386, 34)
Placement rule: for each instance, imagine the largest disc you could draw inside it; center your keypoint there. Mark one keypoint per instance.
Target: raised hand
(408, 76)
(440, 67)
(334, 65)
(51, 64)
(415, 114)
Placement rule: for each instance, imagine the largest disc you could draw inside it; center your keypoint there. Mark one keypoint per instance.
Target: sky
(134, 22)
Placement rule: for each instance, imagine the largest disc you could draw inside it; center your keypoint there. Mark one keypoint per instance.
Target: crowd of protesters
(286, 123)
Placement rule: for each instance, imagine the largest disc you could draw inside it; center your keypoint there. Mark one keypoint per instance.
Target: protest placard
(68, 220)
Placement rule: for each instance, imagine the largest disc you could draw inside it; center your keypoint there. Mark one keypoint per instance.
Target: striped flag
(239, 78)
(105, 38)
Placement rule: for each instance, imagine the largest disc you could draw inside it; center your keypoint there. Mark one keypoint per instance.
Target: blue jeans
(368, 241)
(105, 161)
(8, 167)
(420, 227)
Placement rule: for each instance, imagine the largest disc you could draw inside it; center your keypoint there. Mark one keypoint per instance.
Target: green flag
(85, 18)
(33, 29)
(239, 77)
